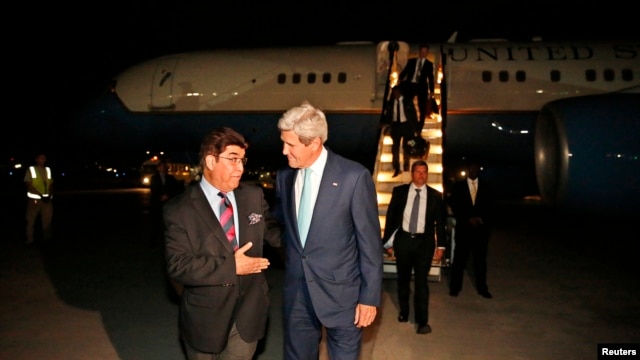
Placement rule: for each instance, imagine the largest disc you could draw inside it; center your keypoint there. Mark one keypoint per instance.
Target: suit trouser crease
(303, 331)
(414, 254)
(400, 133)
(472, 247)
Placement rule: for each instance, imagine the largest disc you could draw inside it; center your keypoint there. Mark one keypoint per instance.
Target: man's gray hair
(306, 121)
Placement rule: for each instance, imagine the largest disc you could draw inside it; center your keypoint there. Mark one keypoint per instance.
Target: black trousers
(422, 92)
(471, 242)
(400, 133)
(413, 254)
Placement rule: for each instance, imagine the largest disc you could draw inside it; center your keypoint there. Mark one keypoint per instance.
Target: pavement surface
(561, 286)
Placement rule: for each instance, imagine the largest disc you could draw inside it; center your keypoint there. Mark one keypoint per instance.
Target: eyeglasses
(235, 160)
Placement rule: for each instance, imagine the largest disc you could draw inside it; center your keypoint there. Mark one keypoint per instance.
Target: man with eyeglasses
(214, 236)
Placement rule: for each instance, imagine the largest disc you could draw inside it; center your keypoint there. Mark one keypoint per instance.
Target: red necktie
(226, 220)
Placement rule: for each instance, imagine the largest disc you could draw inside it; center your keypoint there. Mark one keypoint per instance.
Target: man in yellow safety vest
(39, 182)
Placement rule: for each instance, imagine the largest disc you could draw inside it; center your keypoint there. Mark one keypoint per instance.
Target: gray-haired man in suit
(333, 271)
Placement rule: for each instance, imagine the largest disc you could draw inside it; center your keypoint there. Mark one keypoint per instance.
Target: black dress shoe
(485, 294)
(453, 293)
(396, 173)
(403, 318)
(423, 329)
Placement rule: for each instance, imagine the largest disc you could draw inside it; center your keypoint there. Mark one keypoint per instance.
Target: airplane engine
(587, 154)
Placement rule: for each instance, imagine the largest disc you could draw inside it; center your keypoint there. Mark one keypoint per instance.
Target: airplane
(554, 121)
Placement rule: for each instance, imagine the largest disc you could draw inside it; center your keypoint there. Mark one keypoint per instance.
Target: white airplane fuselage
(491, 95)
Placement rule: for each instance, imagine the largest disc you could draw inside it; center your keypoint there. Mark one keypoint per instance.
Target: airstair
(385, 182)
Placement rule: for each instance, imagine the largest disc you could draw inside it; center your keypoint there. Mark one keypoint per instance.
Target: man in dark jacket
(471, 202)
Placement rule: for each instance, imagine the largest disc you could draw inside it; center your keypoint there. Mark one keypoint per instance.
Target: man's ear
(210, 161)
(316, 143)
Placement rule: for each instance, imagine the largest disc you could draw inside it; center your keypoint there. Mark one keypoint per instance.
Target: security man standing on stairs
(400, 114)
(418, 78)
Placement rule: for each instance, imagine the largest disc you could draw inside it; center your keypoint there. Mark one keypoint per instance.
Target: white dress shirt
(406, 216)
(317, 168)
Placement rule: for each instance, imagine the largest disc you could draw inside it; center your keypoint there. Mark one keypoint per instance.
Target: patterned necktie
(304, 209)
(226, 219)
(413, 220)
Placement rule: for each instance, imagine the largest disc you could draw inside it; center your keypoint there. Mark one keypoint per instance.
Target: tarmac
(561, 286)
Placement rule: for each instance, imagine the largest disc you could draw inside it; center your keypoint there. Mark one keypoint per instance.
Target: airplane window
(503, 76)
(282, 78)
(555, 75)
(326, 78)
(609, 75)
(296, 78)
(627, 74)
(486, 76)
(311, 78)
(342, 77)
(590, 75)
(521, 76)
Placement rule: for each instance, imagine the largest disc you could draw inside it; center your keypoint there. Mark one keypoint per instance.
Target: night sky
(60, 56)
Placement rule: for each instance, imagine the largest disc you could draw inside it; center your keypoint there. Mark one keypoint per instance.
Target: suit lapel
(243, 207)
(430, 204)
(404, 194)
(289, 183)
(329, 192)
(204, 211)
(288, 199)
(241, 200)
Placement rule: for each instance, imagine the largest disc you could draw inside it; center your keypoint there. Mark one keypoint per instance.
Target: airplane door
(389, 65)
(162, 85)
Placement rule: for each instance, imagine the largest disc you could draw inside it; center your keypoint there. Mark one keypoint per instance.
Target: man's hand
(246, 265)
(365, 315)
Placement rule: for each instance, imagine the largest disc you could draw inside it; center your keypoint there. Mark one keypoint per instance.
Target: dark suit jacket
(342, 256)
(426, 75)
(463, 208)
(409, 112)
(200, 257)
(435, 219)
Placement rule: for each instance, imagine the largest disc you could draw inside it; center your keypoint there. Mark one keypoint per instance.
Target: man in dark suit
(214, 246)
(333, 265)
(400, 114)
(163, 186)
(415, 242)
(471, 203)
(417, 76)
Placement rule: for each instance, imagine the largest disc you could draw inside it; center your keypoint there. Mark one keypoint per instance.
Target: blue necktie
(304, 210)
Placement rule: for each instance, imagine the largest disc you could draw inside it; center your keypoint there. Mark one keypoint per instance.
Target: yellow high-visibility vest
(39, 183)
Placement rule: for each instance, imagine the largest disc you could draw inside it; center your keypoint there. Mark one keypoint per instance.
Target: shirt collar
(211, 192)
(318, 166)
